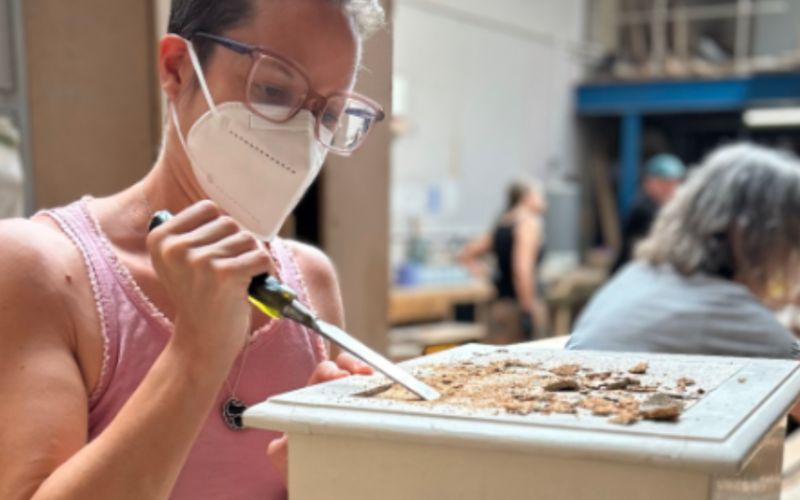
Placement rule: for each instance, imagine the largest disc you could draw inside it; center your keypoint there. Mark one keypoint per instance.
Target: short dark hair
(516, 192)
(188, 17)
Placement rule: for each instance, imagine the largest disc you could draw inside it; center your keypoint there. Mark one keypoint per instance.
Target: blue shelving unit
(633, 101)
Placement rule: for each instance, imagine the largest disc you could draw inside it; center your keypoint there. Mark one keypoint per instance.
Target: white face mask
(255, 170)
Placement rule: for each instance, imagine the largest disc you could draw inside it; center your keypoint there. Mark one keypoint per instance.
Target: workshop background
(573, 96)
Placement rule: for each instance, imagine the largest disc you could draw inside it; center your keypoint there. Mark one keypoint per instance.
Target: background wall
(777, 35)
(486, 91)
(94, 125)
(7, 73)
(14, 102)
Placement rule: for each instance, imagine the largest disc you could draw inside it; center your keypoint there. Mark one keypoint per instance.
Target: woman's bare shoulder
(528, 223)
(39, 263)
(40, 376)
(35, 244)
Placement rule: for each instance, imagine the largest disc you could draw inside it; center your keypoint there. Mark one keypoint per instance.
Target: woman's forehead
(319, 35)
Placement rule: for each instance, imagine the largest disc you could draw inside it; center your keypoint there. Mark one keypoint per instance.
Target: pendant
(232, 411)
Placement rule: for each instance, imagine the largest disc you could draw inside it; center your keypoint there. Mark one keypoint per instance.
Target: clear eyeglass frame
(359, 112)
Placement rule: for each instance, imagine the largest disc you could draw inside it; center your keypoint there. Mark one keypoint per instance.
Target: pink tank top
(223, 464)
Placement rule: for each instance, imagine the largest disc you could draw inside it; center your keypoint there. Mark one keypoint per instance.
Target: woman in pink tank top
(126, 357)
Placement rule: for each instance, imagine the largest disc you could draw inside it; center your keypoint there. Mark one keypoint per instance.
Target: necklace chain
(232, 390)
(233, 407)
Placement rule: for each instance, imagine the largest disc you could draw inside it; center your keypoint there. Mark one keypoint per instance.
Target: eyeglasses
(277, 89)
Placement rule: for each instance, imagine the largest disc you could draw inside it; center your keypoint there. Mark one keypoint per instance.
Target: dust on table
(523, 385)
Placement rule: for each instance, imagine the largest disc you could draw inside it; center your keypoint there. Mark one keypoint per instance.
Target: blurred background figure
(517, 244)
(12, 187)
(725, 247)
(663, 176)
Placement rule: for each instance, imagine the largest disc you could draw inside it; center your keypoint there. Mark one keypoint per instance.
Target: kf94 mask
(255, 170)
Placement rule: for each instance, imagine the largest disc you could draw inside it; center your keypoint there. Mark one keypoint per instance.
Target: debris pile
(515, 387)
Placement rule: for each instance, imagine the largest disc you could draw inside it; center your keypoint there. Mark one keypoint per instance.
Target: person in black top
(517, 244)
(663, 175)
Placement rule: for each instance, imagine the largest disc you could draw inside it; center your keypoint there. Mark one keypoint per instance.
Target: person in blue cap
(663, 174)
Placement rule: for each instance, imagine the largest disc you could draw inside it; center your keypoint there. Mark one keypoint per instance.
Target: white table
(729, 445)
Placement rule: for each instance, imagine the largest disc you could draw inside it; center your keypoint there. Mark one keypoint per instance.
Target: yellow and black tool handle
(269, 295)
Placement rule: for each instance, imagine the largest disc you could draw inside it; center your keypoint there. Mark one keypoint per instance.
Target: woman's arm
(472, 253)
(527, 242)
(44, 453)
(523, 258)
(143, 450)
(205, 263)
(43, 394)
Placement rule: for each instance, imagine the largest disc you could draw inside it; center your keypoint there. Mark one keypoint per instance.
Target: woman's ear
(174, 65)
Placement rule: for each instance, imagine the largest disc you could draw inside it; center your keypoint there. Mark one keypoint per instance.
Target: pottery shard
(524, 396)
(518, 408)
(566, 370)
(562, 407)
(643, 388)
(639, 369)
(622, 383)
(662, 413)
(561, 384)
(684, 382)
(629, 405)
(624, 418)
(592, 385)
(661, 407)
(599, 406)
(660, 399)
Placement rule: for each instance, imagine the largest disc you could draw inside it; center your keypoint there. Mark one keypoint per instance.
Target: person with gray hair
(719, 253)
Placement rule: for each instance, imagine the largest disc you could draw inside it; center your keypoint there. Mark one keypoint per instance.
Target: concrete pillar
(355, 207)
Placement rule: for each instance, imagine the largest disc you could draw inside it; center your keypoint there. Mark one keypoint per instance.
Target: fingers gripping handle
(158, 219)
(279, 301)
(269, 295)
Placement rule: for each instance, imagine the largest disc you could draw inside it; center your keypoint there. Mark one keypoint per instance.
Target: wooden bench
(413, 341)
(418, 304)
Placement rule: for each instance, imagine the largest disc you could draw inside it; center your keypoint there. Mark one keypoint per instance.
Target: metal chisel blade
(375, 360)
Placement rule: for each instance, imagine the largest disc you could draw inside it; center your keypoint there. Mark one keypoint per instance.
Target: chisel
(279, 301)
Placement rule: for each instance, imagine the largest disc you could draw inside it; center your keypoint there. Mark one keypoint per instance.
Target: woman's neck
(125, 216)
(169, 186)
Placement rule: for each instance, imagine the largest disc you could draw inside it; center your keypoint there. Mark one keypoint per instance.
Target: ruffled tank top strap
(292, 275)
(76, 222)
